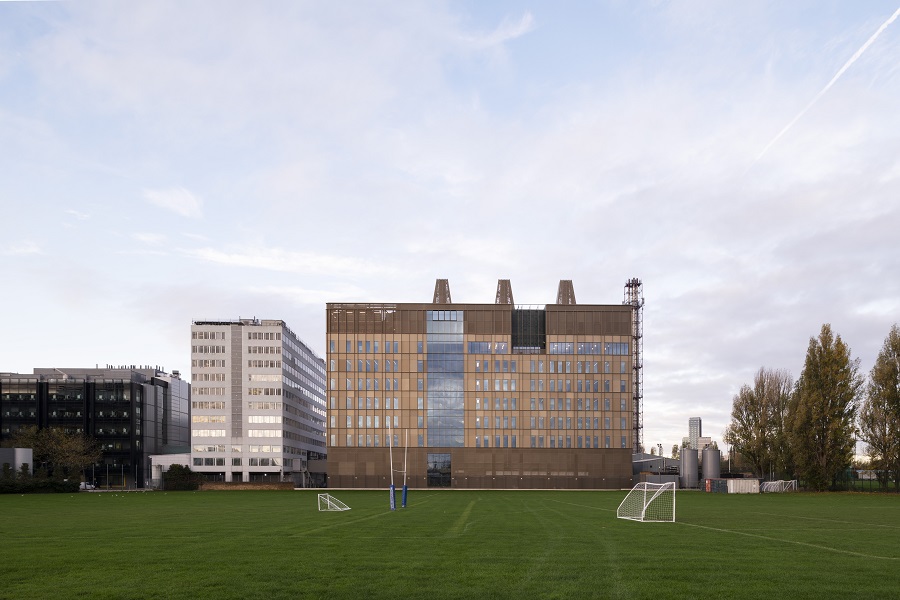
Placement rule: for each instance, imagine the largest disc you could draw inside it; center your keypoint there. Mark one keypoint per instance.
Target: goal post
(649, 502)
(778, 486)
(327, 502)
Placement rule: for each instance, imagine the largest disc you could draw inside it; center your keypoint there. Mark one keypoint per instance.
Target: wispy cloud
(22, 248)
(178, 200)
(828, 86)
(78, 215)
(149, 238)
(509, 29)
(275, 259)
(302, 295)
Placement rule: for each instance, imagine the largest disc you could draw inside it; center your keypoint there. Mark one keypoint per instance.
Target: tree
(879, 417)
(823, 410)
(675, 453)
(757, 420)
(61, 452)
(180, 477)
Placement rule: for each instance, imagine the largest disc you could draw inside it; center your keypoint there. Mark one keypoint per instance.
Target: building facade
(695, 432)
(258, 403)
(480, 395)
(131, 411)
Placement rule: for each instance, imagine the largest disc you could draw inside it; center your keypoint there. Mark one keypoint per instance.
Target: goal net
(327, 502)
(649, 502)
(779, 486)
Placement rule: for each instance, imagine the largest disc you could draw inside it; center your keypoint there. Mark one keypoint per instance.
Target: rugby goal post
(649, 502)
(327, 502)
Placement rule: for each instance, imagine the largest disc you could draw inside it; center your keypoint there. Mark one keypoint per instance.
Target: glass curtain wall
(445, 363)
(65, 406)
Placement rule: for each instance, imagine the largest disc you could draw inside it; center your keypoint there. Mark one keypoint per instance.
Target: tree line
(808, 429)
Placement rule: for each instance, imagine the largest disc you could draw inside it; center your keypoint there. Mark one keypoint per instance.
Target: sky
(163, 162)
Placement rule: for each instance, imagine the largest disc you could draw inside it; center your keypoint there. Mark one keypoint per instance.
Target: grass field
(447, 544)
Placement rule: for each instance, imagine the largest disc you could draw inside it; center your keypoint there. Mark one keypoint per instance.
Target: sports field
(446, 544)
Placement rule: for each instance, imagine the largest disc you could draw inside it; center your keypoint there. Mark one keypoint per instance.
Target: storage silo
(711, 460)
(688, 468)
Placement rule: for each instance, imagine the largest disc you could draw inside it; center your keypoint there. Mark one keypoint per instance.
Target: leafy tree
(675, 451)
(180, 477)
(879, 418)
(757, 421)
(62, 453)
(823, 410)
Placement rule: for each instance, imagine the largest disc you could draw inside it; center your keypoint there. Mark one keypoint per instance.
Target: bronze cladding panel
(588, 320)
(486, 468)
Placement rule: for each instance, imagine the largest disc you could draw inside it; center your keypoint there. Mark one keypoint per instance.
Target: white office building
(258, 403)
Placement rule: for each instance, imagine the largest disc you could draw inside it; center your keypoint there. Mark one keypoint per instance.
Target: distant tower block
(441, 292)
(504, 292)
(566, 293)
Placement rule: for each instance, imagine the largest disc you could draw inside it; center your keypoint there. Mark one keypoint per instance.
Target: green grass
(447, 544)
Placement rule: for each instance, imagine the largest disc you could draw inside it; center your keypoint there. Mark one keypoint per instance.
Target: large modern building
(131, 411)
(258, 403)
(695, 432)
(484, 395)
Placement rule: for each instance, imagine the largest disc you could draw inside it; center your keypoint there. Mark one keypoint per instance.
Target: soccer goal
(327, 502)
(649, 502)
(779, 486)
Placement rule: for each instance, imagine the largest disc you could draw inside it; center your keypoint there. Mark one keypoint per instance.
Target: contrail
(837, 76)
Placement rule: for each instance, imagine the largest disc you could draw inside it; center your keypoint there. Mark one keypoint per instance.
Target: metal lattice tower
(566, 293)
(441, 292)
(634, 297)
(504, 292)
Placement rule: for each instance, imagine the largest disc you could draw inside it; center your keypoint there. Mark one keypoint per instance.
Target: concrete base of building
(483, 468)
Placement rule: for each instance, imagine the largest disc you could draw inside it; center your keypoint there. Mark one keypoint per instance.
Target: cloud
(316, 297)
(833, 80)
(178, 200)
(276, 259)
(22, 248)
(78, 215)
(509, 29)
(149, 238)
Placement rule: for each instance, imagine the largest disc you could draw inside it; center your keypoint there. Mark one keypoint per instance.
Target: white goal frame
(329, 503)
(779, 486)
(649, 502)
